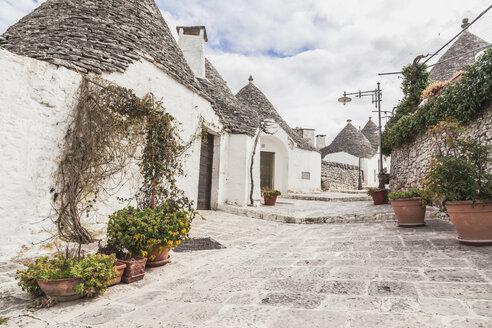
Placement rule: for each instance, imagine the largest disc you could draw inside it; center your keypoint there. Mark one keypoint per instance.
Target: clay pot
(61, 290)
(380, 197)
(472, 221)
(158, 256)
(409, 212)
(135, 270)
(270, 200)
(120, 266)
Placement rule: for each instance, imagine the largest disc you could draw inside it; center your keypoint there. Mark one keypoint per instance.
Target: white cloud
(328, 47)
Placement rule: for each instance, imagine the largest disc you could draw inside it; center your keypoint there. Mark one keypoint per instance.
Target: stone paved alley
(286, 275)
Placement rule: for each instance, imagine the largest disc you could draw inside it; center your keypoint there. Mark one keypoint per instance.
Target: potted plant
(379, 196)
(118, 265)
(148, 233)
(270, 196)
(409, 206)
(66, 278)
(458, 177)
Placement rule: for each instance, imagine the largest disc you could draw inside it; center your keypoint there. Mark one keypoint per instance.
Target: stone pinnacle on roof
(98, 36)
(352, 141)
(250, 79)
(252, 97)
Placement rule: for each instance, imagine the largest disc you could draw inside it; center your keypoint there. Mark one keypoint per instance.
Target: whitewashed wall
(35, 109)
(36, 100)
(342, 157)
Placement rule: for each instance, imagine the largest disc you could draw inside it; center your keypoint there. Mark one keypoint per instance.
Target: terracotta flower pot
(380, 197)
(60, 289)
(270, 200)
(409, 212)
(472, 221)
(135, 269)
(120, 266)
(158, 256)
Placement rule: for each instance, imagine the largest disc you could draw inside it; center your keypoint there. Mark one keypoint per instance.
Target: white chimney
(192, 43)
(320, 141)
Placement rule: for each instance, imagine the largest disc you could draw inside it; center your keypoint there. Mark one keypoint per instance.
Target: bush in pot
(150, 232)
(458, 177)
(270, 196)
(379, 196)
(409, 206)
(66, 278)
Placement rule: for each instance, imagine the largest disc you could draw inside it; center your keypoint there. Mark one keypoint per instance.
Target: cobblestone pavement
(282, 275)
(315, 211)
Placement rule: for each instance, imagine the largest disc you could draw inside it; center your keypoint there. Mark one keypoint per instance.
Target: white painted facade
(291, 162)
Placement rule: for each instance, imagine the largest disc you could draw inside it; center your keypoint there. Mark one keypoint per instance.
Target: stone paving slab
(302, 211)
(281, 275)
(330, 196)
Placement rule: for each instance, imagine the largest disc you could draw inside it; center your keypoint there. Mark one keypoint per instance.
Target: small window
(306, 175)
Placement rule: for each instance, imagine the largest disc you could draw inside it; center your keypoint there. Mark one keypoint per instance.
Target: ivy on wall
(111, 127)
(462, 101)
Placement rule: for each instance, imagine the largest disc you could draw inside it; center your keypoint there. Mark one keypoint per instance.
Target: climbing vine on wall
(461, 100)
(112, 127)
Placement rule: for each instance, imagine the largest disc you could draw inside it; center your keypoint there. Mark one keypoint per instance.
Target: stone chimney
(320, 141)
(192, 42)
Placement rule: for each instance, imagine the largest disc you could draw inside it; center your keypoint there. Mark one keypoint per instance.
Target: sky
(304, 54)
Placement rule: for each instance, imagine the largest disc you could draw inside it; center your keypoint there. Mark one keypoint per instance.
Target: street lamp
(359, 187)
(375, 95)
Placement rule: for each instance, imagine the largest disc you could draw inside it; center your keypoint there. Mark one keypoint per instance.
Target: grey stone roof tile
(235, 116)
(465, 42)
(98, 36)
(251, 96)
(352, 141)
(371, 132)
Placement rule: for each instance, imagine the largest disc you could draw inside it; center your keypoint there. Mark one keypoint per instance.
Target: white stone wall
(409, 163)
(35, 109)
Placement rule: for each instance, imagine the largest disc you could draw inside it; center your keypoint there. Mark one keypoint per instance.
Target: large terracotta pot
(60, 289)
(270, 200)
(120, 266)
(158, 256)
(472, 221)
(135, 269)
(380, 197)
(409, 212)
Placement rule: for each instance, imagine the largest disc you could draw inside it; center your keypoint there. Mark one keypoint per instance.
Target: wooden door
(205, 180)
(267, 170)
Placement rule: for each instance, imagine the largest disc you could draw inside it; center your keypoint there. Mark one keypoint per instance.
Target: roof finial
(349, 121)
(465, 23)
(370, 118)
(250, 79)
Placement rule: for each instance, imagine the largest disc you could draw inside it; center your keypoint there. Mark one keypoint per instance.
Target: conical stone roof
(237, 117)
(465, 42)
(352, 141)
(98, 36)
(370, 131)
(252, 97)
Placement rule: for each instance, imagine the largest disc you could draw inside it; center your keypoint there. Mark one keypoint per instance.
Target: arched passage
(274, 164)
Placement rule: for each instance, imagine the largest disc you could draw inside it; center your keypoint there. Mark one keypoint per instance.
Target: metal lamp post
(376, 96)
(359, 187)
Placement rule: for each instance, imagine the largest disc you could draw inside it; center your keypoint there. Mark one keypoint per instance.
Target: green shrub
(140, 231)
(270, 193)
(372, 191)
(95, 271)
(460, 173)
(462, 100)
(412, 193)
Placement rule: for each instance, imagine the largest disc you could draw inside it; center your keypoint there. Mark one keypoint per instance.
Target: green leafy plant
(3, 320)
(94, 270)
(270, 193)
(372, 191)
(459, 170)
(462, 100)
(140, 231)
(412, 193)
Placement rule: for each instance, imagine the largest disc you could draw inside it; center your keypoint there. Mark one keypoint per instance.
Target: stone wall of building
(339, 176)
(409, 163)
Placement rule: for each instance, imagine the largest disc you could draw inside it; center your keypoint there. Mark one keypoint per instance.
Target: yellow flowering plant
(140, 231)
